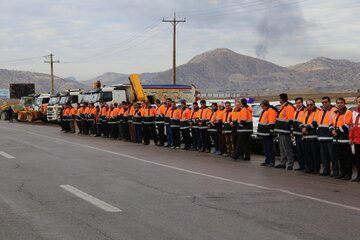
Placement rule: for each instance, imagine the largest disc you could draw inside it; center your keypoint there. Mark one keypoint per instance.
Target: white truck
(71, 96)
(109, 94)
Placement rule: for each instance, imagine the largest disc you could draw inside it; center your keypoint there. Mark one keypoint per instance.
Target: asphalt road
(64, 186)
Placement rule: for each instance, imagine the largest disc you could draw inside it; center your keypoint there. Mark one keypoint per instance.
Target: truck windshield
(54, 100)
(94, 97)
(257, 111)
(64, 100)
(26, 101)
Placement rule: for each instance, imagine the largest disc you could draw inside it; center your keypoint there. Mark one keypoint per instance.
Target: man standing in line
(159, 121)
(194, 128)
(354, 136)
(213, 127)
(266, 131)
(244, 126)
(203, 113)
(341, 122)
(311, 144)
(149, 128)
(174, 115)
(283, 128)
(227, 130)
(167, 123)
(297, 133)
(185, 114)
(326, 139)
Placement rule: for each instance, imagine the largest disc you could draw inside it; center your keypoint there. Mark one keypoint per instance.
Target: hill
(41, 80)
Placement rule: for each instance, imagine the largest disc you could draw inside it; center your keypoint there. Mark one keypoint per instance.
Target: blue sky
(91, 37)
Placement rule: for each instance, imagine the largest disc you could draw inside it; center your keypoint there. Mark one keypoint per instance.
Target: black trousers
(185, 133)
(195, 133)
(161, 133)
(300, 151)
(214, 135)
(149, 131)
(357, 158)
(312, 155)
(104, 128)
(92, 127)
(79, 124)
(125, 130)
(120, 131)
(242, 146)
(98, 129)
(205, 143)
(85, 126)
(175, 133)
(343, 155)
(328, 157)
(113, 130)
(138, 133)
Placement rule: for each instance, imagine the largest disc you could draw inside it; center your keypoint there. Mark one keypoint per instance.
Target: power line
(20, 59)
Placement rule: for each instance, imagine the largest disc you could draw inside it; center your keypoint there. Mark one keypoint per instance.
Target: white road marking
(90, 199)
(4, 154)
(200, 174)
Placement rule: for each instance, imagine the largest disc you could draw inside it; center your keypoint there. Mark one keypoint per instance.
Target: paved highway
(64, 186)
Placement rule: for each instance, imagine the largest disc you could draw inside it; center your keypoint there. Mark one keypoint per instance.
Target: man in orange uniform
(71, 118)
(137, 123)
(283, 128)
(125, 124)
(218, 123)
(85, 122)
(62, 118)
(119, 120)
(202, 115)
(149, 128)
(174, 115)
(244, 129)
(79, 110)
(297, 133)
(265, 130)
(311, 143)
(130, 116)
(113, 126)
(91, 120)
(102, 120)
(159, 121)
(185, 114)
(169, 137)
(213, 128)
(326, 139)
(227, 130)
(194, 127)
(340, 124)
(66, 118)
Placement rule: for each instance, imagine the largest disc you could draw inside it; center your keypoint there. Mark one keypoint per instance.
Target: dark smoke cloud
(278, 25)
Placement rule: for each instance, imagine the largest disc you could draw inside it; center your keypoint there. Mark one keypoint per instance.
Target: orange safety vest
(266, 122)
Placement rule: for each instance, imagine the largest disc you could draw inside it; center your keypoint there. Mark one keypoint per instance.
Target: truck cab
(52, 109)
(109, 94)
(71, 96)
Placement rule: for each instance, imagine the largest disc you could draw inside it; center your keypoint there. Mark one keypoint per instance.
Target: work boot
(357, 179)
(280, 166)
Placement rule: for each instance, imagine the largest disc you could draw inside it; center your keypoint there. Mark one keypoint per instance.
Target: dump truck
(36, 111)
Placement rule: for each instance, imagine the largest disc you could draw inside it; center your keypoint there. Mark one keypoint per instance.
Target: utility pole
(51, 56)
(174, 22)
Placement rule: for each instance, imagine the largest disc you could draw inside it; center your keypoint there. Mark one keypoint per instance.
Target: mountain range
(222, 70)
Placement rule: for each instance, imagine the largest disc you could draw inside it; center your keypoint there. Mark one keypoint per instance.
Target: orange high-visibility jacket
(284, 118)
(267, 122)
(308, 121)
(341, 122)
